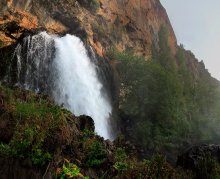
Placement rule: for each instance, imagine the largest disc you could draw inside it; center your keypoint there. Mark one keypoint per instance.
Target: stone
(193, 156)
(86, 122)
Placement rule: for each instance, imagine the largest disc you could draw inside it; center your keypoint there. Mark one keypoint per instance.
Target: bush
(157, 167)
(5, 149)
(208, 167)
(36, 118)
(88, 134)
(25, 145)
(69, 170)
(40, 158)
(121, 164)
(96, 155)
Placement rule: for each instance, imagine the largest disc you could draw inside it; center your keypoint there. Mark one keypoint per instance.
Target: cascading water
(61, 67)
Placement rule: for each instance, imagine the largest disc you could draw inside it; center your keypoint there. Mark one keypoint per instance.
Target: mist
(197, 27)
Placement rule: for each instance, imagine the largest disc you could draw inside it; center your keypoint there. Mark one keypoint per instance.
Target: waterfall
(61, 67)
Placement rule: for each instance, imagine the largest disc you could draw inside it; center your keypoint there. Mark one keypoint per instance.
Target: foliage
(5, 149)
(96, 155)
(38, 157)
(167, 102)
(150, 95)
(69, 170)
(208, 167)
(121, 164)
(26, 145)
(36, 117)
(156, 167)
(88, 133)
(163, 55)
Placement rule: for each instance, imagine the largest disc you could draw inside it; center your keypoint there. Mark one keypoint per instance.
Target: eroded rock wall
(123, 24)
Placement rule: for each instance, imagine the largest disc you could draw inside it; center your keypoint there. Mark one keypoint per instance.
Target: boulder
(203, 160)
(86, 122)
(193, 156)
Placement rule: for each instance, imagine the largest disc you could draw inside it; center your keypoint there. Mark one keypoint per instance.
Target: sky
(197, 26)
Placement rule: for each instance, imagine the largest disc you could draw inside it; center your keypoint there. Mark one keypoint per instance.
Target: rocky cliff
(123, 24)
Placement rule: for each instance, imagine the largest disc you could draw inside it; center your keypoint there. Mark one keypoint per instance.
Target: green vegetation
(150, 96)
(23, 146)
(96, 155)
(37, 130)
(121, 164)
(157, 167)
(88, 134)
(35, 118)
(208, 167)
(167, 103)
(163, 55)
(69, 170)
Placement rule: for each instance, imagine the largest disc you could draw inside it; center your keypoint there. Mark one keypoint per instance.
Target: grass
(36, 117)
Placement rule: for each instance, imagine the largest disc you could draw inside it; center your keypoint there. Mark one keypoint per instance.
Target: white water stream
(69, 76)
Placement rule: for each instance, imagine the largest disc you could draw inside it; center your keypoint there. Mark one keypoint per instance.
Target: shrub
(4, 149)
(88, 133)
(25, 145)
(208, 167)
(158, 167)
(96, 155)
(69, 170)
(36, 118)
(40, 158)
(121, 164)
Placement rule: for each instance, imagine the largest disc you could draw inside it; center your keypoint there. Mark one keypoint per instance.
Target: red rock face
(142, 20)
(123, 24)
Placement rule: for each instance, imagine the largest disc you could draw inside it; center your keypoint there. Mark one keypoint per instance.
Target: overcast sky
(197, 26)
